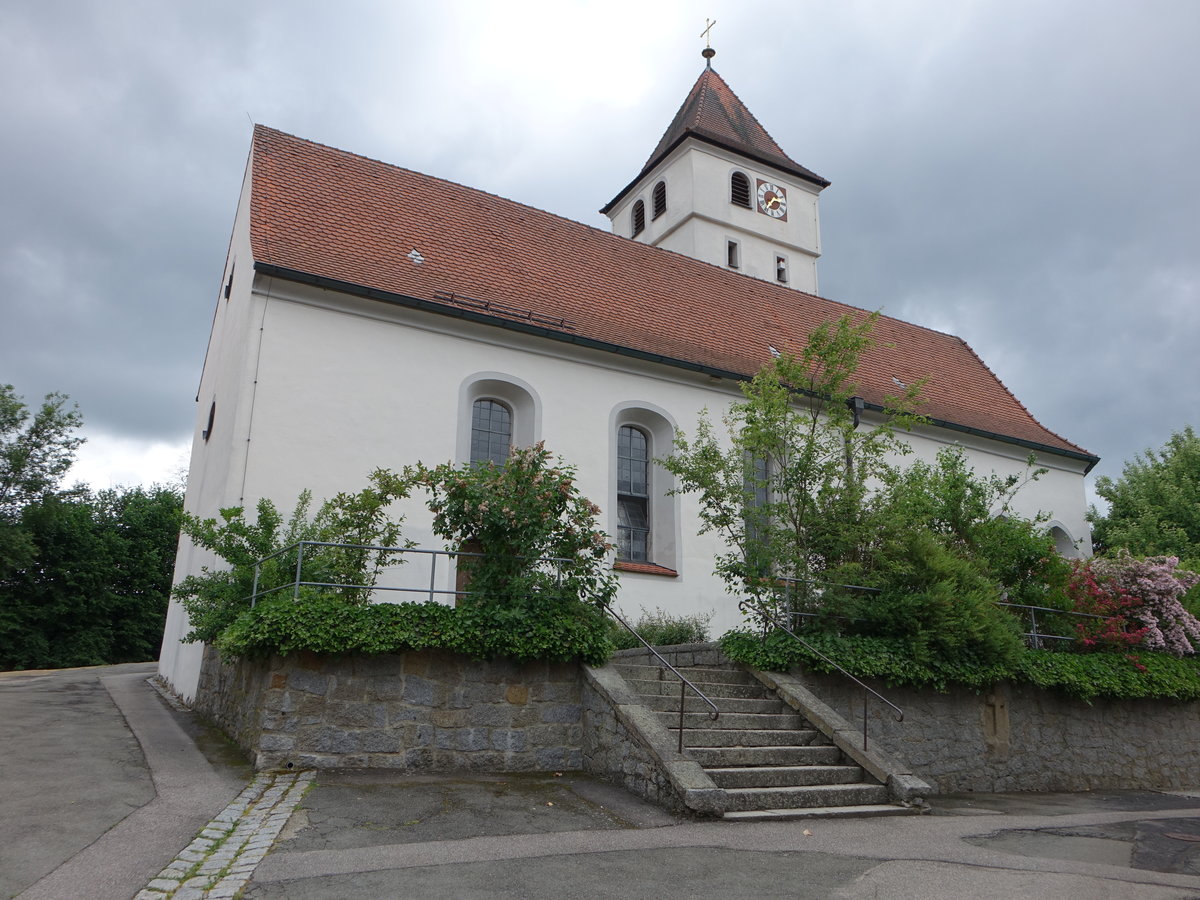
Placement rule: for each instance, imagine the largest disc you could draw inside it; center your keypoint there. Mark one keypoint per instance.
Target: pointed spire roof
(713, 113)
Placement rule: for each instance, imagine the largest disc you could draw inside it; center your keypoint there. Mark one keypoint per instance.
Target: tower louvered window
(739, 189)
(639, 218)
(660, 199)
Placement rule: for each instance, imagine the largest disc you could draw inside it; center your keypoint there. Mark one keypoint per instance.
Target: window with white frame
(497, 411)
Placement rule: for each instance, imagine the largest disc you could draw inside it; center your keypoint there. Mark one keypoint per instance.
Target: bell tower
(719, 189)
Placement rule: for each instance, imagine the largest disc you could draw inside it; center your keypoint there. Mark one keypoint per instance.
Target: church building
(371, 316)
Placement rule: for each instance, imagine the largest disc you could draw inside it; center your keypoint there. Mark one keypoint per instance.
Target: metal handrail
(297, 582)
(1035, 637)
(770, 617)
(713, 716)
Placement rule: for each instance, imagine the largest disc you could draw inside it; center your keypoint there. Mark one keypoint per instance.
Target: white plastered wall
(317, 389)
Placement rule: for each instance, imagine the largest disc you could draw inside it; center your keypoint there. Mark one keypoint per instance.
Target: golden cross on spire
(708, 52)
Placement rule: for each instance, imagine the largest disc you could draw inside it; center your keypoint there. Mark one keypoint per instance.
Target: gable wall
(217, 463)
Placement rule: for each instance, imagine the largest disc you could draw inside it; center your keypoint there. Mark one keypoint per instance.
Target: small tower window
(732, 254)
(660, 199)
(739, 190)
(781, 267)
(212, 415)
(639, 218)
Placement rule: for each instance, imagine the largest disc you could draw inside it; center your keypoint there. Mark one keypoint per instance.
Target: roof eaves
(358, 290)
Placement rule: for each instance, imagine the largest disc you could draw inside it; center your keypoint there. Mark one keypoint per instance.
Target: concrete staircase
(770, 761)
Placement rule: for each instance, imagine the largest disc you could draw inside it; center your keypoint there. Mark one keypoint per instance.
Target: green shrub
(214, 598)
(661, 629)
(322, 622)
(517, 606)
(516, 515)
(1087, 677)
(938, 604)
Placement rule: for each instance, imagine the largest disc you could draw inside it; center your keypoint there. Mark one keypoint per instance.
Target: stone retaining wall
(433, 711)
(1020, 738)
(424, 711)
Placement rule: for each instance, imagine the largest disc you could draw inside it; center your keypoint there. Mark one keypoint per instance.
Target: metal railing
(1034, 637)
(432, 591)
(683, 682)
(759, 609)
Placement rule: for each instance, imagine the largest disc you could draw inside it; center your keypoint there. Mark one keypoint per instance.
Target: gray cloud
(1022, 174)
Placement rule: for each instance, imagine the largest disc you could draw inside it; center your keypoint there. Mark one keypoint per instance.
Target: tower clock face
(772, 200)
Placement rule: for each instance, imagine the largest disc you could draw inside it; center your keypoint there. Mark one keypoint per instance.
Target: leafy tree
(34, 453)
(95, 587)
(973, 517)
(787, 487)
(1154, 507)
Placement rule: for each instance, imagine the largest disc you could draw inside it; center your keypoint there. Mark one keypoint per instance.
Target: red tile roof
(335, 216)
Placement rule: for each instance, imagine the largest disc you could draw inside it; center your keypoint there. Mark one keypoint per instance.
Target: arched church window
(739, 190)
(633, 494)
(639, 218)
(491, 431)
(660, 199)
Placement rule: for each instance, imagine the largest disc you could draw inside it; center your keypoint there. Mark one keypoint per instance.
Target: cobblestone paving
(219, 862)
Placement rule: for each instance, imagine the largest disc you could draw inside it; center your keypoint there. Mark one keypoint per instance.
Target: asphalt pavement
(109, 792)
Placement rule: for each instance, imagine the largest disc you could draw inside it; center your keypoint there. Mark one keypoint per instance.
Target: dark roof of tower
(713, 113)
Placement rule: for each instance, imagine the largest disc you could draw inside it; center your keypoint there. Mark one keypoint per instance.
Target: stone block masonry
(424, 711)
(1021, 738)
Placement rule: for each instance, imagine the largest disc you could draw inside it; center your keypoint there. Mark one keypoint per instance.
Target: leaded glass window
(633, 494)
(491, 431)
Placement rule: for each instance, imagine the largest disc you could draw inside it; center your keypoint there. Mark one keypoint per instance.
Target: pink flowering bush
(1149, 593)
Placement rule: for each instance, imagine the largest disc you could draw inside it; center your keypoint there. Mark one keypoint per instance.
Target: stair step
(865, 810)
(729, 757)
(729, 737)
(713, 689)
(741, 799)
(743, 721)
(783, 776)
(692, 703)
(696, 674)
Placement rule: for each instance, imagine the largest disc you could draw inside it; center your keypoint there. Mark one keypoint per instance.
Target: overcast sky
(1025, 174)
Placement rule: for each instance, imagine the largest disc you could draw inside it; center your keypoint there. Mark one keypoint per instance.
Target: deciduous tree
(1155, 504)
